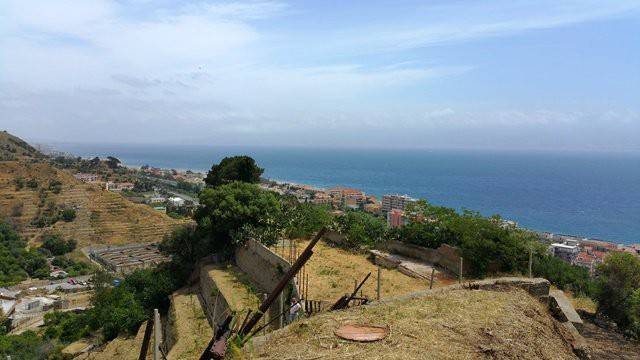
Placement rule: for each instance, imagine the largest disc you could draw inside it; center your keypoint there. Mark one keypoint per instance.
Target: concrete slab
(563, 310)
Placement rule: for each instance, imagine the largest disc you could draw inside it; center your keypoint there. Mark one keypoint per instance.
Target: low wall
(214, 304)
(266, 269)
(446, 256)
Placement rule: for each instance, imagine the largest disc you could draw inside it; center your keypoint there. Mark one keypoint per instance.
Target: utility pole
(379, 283)
(531, 262)
(157, 333)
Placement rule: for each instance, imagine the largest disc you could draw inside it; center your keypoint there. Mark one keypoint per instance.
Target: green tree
(235, 168)
(361, 229)
(304, 220)
(226, 212)
(56, 244)
(619, 290)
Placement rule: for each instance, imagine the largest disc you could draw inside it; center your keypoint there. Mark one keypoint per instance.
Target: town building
(396, 218)
(399, 202)
(565, 252)
(113, 186)
(84, 177)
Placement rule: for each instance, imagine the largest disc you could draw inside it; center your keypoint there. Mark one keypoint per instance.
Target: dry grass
(234, 286)
(121, 348)
(332, 272)
(102, 217)
(189, 324)
(455, 324)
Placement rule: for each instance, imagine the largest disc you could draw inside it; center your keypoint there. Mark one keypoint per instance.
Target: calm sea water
(588, 194)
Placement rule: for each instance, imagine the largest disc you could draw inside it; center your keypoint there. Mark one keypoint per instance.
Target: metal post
(355, 284)
(281, 310)
(460, 275)
(379, 281)
(264, 318)
(433, 270)
(157, 334)
(531, 263)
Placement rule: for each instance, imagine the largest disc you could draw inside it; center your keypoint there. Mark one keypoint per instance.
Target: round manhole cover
(362, 333)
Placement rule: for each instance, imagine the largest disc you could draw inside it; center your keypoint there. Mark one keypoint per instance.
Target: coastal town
(166, 195)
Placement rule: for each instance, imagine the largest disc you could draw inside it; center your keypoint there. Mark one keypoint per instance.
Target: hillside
(33, 193)
(455, 324)
(14, 148)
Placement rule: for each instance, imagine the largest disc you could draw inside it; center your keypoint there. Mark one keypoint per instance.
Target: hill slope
(455, 324)
(14, 148)
(32, 190)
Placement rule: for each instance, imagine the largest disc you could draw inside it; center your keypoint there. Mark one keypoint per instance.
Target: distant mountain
(34, 195)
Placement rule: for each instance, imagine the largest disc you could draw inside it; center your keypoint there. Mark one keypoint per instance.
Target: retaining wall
(265, 268)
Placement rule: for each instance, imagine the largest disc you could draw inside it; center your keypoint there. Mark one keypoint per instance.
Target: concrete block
(562, 309)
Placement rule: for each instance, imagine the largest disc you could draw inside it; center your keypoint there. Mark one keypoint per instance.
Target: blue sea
(594, 195)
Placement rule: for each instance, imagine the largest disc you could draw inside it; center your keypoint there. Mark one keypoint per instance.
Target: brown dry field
(190, 325)
(102, 217)
(453, 324)
(333, 271)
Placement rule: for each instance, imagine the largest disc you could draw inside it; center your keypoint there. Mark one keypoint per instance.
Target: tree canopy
(235, 168)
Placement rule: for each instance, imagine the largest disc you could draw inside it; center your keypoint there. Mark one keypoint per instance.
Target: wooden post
(379, 283)
(355, 284)
(157, 334)
(531, 263)
(460, 275)
(433, 270)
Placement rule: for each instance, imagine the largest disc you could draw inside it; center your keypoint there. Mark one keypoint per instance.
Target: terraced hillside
(30, 190)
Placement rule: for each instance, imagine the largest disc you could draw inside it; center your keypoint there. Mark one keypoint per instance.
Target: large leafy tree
(235, 168)
(230, 212)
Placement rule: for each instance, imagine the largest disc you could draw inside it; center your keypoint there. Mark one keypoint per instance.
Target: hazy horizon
(501, 75)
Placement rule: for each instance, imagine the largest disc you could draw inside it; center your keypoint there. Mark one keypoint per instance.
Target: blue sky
(432, 74)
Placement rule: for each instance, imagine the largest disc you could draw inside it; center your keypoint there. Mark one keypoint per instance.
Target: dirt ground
(333, 271)
(455, 324)
(189, 324)
(607, 344)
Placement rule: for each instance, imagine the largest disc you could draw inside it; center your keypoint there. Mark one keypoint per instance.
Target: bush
(68, 214)
(32, 183)
(564, 275)
(19, 182)
(618, 294)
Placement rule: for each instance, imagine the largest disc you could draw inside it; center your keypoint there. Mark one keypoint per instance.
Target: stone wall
(266, 269)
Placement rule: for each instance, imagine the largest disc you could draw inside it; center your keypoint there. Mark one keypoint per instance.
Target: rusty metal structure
(344, 301)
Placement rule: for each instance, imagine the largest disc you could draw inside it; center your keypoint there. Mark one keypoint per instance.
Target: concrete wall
(214, 304)
(446, 256)
(266, 269)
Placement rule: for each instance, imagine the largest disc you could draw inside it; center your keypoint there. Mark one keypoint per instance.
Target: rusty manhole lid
(362, 333)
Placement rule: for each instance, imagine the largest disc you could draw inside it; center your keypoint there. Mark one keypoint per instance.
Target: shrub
(68, 214)
(32, 183)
